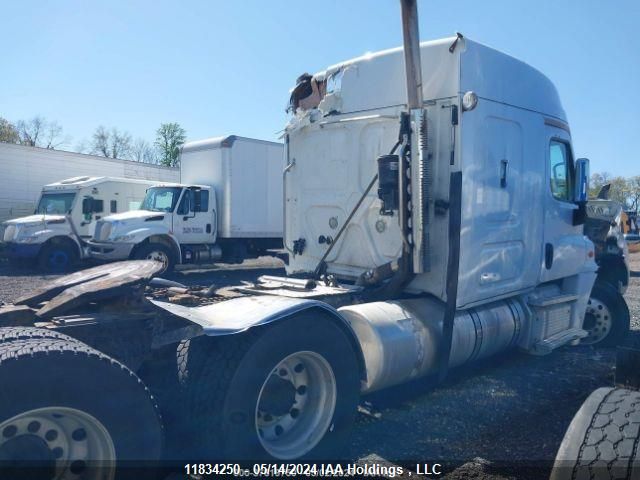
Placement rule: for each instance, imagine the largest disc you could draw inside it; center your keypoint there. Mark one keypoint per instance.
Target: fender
(145, 233)
(66, 237)
(615, 270)
(238, 315)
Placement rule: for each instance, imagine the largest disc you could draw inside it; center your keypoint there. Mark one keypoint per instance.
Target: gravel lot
(509, 413)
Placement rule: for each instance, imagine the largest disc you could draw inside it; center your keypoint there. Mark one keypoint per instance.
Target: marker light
(469, 101)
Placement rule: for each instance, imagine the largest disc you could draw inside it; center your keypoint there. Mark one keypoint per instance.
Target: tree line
(106, 142)
(625, 190)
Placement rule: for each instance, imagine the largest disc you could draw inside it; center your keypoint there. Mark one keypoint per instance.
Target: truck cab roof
(77, 183)
(450, 67)
(182, 185)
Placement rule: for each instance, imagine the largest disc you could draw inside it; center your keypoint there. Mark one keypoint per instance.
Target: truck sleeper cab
(48, 237)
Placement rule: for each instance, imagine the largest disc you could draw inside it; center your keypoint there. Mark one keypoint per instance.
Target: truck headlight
(123, 238)
(27, 238)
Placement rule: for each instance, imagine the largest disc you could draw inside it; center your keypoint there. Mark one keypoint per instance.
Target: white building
(24, 170)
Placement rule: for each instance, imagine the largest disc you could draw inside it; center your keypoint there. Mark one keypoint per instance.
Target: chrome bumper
(110, 250)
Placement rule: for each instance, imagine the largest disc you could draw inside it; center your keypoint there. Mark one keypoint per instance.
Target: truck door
(563, 247)
(195, 218)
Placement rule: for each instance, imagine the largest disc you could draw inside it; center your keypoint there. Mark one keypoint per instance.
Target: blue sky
(221, 67)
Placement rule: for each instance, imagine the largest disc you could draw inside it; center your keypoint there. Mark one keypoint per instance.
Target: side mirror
(87, 205)
(196, 197)
(197, 201)
(581, 186)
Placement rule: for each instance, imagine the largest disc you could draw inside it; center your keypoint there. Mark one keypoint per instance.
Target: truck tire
(64, 405)
(603, 439)
(279, 392)
(159, 252)
(57, 258)
(9, 334)
(160, 375)
(607, 316)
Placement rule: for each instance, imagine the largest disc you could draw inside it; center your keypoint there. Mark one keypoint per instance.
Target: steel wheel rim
(159, 256)
(598, 322)
(80, 447)
(292, 434)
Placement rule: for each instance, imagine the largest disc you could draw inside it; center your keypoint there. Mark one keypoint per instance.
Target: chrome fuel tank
(400, 339)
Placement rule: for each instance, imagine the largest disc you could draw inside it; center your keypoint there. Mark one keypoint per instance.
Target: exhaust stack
(411, 40)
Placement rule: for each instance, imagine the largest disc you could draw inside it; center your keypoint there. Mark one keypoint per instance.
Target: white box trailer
(246, 174)
(229, 206)
(24, 170)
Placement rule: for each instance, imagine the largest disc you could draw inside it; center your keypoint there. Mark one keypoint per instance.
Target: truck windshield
(55, 203)
(161, 199)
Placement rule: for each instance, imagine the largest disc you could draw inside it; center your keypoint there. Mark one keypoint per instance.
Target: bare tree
(100, 142)
(53, 137)
(8, 132)
(31, 130)
(111, 143)
(633, 184)
(120, 144)
(142, 151)
(39, 132)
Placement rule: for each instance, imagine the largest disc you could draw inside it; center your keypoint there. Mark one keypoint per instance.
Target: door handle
(548, 255)
(503, 173)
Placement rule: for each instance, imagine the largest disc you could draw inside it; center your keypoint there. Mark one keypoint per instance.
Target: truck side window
(204, 200)
(185, 203)
(98, 206)
(114, 206)
(560, 170)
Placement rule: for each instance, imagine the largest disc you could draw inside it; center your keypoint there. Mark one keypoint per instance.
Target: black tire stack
(40, 368)
(603, 440)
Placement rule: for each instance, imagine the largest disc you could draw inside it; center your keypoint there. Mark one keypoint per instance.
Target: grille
(103, 230)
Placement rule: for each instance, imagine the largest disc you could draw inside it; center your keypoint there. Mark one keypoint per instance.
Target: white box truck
(229, 205)
(472, 245)
(66, 214)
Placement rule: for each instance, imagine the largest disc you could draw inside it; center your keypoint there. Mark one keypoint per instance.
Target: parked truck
(65, 215)
(604, 226)
(229, 205)
(430, 224)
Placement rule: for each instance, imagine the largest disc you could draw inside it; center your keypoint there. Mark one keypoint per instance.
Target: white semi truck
(470, 244)
(66, 214)
(229, 205)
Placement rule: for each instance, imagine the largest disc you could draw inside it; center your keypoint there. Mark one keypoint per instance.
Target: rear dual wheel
(69, 412)
(284, 391)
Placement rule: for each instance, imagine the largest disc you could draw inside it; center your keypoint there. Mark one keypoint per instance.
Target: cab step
(549, 344)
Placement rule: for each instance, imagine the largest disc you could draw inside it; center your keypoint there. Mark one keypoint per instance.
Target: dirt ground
(502, 418)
